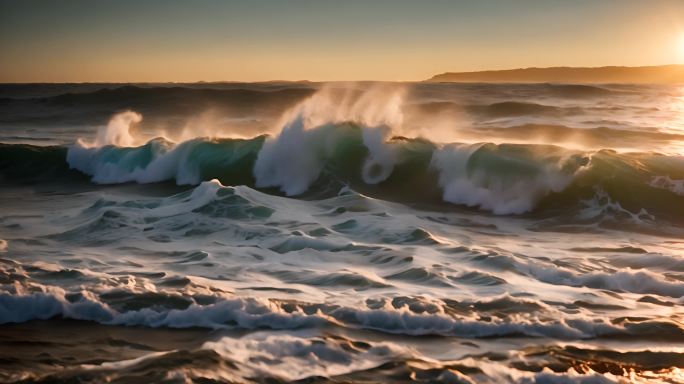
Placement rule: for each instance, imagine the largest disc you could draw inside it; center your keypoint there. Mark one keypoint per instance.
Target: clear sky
(211, 40)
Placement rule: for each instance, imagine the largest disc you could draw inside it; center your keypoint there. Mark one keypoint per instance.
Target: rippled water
(380, 233)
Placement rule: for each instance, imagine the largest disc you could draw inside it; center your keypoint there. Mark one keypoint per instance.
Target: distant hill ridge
(661, 74)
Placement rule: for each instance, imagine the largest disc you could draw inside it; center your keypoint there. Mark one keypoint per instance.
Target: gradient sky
(210, 40)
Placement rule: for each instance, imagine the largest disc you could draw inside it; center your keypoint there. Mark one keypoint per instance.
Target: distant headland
(661, 74)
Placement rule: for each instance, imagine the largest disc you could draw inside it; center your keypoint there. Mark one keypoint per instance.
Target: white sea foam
(672, 185)
(495, 192)
(641, 281)
(498, 373)
(293, 357)
(602, 206)
(256, 314)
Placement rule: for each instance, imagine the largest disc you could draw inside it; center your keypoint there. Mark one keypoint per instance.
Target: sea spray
(294, 159)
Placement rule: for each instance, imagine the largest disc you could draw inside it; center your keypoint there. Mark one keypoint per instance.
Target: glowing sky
(121, 41)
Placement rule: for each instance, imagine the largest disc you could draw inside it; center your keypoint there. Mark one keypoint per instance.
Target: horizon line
(332, 81)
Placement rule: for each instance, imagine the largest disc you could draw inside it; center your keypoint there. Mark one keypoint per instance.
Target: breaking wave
(250, 313)
(341, 138)
(503, 179)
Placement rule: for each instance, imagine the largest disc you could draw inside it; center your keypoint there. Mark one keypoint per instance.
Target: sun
(680, 46)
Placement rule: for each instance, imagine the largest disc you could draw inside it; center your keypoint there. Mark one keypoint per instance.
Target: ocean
(341, 233)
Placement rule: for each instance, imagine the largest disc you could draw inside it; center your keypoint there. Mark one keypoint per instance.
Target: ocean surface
(341, 233)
